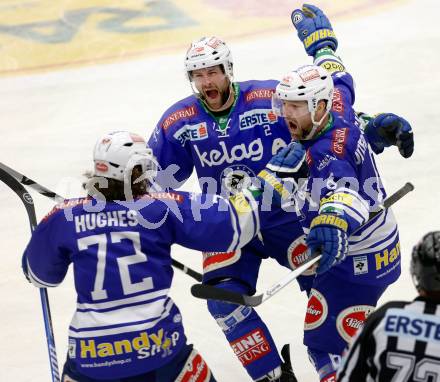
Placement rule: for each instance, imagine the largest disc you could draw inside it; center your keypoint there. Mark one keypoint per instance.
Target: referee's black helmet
(425, 263)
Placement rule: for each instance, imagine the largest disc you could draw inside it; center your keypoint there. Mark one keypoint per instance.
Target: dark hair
(112, 189)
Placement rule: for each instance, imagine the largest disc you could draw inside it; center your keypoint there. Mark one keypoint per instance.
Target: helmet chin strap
(316, 125)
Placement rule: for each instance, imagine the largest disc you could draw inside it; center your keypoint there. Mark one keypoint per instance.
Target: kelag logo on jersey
(256, 117)
(253, 151)
(191, 133)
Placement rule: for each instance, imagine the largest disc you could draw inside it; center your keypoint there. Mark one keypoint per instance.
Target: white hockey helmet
(117, 153)
(208, 52)
(309, 83)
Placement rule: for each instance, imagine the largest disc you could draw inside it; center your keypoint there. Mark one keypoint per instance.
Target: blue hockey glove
(388, 129)
(288, 163)
(314, 29)
(328, 236)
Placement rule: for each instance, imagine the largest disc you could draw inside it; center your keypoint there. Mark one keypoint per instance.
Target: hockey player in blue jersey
(227, 132)
(343, 188)
(126, 328)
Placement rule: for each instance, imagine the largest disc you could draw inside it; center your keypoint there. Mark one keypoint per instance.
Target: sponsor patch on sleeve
(176, 116)
(338, 103)
(338, 141)
(258, 94)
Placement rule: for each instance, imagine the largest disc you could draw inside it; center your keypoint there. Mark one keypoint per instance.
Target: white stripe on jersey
(432, 349)
(383, 234)
(154, 311)
(38, 282)
(244, 221)
(235, 238)
(125, 301)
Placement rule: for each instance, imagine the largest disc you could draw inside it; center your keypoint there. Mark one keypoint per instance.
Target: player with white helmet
(227, 131)
(209, 67)
(310, 84)
(126, 327)
(350, 276)
(117, 154)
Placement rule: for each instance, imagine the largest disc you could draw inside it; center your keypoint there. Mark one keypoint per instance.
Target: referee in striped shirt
(400, 341)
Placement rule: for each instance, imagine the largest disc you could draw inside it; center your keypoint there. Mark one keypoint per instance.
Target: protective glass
(289, 109)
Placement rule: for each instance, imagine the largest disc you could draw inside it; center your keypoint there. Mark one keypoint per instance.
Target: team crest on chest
(236, 178)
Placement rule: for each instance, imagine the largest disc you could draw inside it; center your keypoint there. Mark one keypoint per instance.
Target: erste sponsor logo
(196, 132)
(256, 117)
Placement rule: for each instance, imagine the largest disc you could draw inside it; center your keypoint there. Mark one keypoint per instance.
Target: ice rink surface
(50, 121)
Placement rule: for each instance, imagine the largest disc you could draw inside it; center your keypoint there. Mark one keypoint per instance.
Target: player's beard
(297, 132)
(216, 93)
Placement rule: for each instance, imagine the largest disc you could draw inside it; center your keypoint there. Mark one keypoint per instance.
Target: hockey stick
(59, 199)
(12, 183)
(209, 292)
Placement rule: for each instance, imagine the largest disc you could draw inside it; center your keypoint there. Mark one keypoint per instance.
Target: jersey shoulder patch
(257, 90)
(67, 204)
(166, 196)
(183, 110)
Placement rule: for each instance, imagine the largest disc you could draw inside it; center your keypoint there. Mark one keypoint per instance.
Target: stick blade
(209, 292)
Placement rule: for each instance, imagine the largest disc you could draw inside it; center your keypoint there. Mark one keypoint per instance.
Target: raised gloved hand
(288, 163)
(328, 236)
(314, 29)
(388, 129)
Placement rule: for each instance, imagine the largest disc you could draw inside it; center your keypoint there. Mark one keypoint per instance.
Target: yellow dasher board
(40, 35)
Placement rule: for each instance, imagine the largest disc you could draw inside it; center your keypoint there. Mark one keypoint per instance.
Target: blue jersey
(125, 323)
(344, 179)
(231, 149)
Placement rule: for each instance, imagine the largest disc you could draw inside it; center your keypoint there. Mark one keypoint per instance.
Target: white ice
(49, 123)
